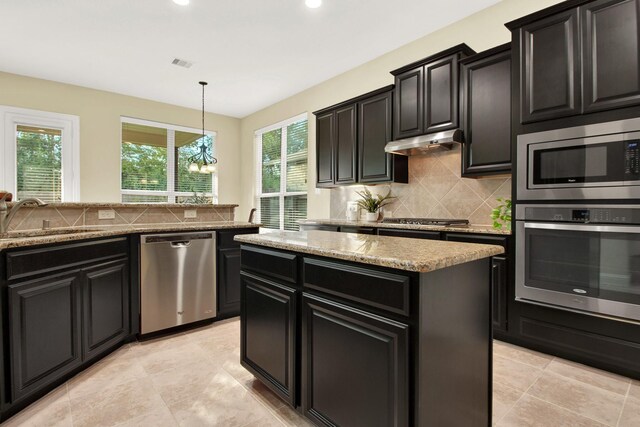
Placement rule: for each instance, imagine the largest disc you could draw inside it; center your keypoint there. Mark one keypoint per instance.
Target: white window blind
(281, 165)
(155, 164)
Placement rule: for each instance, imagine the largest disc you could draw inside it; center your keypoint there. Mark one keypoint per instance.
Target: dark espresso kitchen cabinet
(426, 94)
(550, 68)
(576, 58)
(228, 263)
(485, 94)
(350, 141)
(369, 352)
(611, 53)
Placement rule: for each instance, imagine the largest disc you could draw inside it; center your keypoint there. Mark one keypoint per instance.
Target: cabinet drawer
(225, 237)
(357, 230)
(475, 238)
(266, 262)
(380, 289)
(415, 234)
(30, 262)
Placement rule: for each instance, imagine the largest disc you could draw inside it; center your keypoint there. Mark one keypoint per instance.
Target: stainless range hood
(423, 143)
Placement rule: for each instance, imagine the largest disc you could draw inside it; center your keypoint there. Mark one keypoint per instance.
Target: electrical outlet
(106, 214)
(190, 213)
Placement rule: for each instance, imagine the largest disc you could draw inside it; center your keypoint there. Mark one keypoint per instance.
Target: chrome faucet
(6, 214)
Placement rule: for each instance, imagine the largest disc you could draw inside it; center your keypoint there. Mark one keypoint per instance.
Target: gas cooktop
(426, 221)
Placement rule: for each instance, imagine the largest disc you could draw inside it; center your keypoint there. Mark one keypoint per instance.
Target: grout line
(624, 404)
(566, 409)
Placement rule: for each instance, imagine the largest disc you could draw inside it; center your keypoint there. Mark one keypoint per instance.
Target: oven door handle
(583, 227)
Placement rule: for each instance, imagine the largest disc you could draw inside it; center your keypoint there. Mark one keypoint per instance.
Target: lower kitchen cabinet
(45, 331)
(268, 334)
(354, 366)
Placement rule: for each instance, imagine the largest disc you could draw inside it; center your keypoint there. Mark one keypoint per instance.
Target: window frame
(170, 193)
(12, 117)
(283, 166)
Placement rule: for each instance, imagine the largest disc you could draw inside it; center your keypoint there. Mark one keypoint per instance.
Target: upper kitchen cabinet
(426, 95)
(577, 57)
(350, 141)
(485, 99)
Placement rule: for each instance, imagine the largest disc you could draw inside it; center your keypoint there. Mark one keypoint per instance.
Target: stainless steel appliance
(426, 221)
(582, 258)
(177, 279)
(423, 143)
(593, 162)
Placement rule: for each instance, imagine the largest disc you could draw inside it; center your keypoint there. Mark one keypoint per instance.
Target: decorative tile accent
(435, 190)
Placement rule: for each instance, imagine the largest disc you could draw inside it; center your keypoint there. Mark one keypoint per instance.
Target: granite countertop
(132, 205)
(471, 228)
(16, 239)
(401, 253)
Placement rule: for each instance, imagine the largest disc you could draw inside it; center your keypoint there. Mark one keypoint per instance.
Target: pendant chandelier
(203, 162)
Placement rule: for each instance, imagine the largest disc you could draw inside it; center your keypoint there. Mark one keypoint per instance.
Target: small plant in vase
(501, 215)
(372, 203)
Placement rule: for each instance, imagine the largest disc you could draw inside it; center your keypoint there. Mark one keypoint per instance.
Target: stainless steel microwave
(600, 161)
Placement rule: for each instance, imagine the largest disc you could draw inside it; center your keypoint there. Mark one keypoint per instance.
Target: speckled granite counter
(471, 228)
(395, 252)
(18, 239)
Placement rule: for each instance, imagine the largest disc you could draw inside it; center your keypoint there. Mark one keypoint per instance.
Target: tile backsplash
(29, 218)
(435, 190)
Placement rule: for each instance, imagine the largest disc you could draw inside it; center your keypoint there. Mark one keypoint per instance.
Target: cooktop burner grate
(426, 221)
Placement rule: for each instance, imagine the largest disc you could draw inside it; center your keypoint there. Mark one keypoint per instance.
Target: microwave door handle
(583, 227)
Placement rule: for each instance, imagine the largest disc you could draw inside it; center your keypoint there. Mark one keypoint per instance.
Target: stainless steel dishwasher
(177, 279)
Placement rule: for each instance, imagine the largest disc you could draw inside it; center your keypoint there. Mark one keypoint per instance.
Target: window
(281, 164)
(40, 154)
(155, 164)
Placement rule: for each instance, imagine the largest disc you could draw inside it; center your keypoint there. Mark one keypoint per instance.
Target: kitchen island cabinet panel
(44, 334)
(354, 366)
(268, 334)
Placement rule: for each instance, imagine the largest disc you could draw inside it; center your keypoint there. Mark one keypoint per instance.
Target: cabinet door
(486, 115)
(499, 293)
(229, 282)
(374, 131)
(346, 145)
(324, 149)
(408, 104)
(611, 54)
(44, 332)
(106, 307)
(268, 334)
(354, 366)
(550, 68)
(441, 94)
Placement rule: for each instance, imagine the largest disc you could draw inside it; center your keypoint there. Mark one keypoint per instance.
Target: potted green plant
(501, 215)
(372, 203)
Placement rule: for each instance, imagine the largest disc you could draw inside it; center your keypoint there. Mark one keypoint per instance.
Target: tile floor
(195, 379)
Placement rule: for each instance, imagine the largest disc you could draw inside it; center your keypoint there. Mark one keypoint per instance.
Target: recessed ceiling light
(313, 4)
(181, 2)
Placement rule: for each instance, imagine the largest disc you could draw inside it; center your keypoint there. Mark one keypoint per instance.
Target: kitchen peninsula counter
(352, 329)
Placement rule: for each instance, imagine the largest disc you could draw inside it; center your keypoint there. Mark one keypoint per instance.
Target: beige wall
(480, 31)
(100, 113)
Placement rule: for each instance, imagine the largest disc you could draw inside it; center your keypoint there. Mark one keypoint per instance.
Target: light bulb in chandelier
(193, 167)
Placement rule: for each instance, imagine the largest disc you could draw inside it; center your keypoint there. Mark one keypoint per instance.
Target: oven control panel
(591, 215)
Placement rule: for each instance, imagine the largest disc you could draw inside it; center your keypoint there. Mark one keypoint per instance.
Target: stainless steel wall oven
(580, 257)
(593, 162)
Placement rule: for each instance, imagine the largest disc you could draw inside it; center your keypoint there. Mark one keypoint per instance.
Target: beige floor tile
(504, 397)
(262, 393)
(183, 354)
(190, 381)
(514, 374)
(634, 391)
(291, 418)
(229, 406)
(117, 404)
(53, 410)
(270, 421)
(588, 375)
(532, 412)
(630, 414)
(159, 344)
(161, 417)
(522, 355)
(584, 399)
(118, 368)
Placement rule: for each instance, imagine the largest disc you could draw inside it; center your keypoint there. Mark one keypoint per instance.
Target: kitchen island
(361, 330)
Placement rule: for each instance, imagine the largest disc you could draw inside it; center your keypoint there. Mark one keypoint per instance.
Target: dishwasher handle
(181, 244)
(176, 237)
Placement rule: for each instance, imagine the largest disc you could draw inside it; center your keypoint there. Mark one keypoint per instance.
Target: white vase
(371, 216)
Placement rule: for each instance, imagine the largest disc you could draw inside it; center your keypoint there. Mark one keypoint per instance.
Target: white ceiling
(253, 53)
